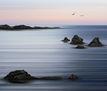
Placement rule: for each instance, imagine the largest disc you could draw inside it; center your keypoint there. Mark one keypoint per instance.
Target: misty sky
(74, 12)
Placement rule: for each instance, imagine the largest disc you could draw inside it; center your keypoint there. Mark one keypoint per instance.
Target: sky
(62, 12)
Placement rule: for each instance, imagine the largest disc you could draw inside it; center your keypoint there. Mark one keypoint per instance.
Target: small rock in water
(50, 78)
(95, 43)
(73, 77)
(19, 76)
(66, 39)
(76, 40)
(80, 47)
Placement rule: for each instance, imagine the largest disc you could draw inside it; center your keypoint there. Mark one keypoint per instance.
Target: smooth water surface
(42, 53)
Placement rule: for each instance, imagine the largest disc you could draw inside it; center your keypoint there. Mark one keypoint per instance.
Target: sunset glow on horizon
(74, 12)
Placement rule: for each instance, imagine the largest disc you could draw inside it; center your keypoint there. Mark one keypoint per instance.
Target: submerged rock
(66, 39)
(80, 47)
(73, 77)
(19, 76)
(50, 78)
(76, 40)
(95, 43)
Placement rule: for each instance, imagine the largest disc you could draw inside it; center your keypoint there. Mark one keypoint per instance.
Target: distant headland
(23, 27)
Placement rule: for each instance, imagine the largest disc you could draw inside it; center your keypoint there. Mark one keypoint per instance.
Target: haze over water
(42, 53)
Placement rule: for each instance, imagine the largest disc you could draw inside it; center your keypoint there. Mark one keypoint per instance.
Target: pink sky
(38, 12)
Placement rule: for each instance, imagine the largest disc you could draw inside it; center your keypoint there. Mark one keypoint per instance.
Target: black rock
(73, 77)
(19, 76)
(5, 27)
(24, 27)
(66, 39)
(95, 43)
(50, 78)
(38, 27)
(80, 47)
(76, 40)
(18, 27)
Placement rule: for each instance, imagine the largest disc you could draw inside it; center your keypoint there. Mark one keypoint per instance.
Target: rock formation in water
(38, 27)
(95, 43)
(50, 78)
(18, 27)
(23, 27)
(19, 76)
(76, 40)
(66, 40)
(73, 77)
(80, 47)
(5, 27)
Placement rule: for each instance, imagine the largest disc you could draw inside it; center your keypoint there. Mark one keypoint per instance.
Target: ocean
(42, 53)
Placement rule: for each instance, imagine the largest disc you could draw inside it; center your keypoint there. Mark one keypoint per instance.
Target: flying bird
(81, 15)
(73, 13)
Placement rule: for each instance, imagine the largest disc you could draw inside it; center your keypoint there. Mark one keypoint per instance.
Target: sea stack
(76, 40)
(66, 39)
(19, 76)
(95, 43)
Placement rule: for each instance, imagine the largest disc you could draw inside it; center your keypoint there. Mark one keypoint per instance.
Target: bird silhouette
(81, 15)
(73, 13)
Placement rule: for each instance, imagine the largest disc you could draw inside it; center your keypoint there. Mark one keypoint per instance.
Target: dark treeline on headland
(23, 27)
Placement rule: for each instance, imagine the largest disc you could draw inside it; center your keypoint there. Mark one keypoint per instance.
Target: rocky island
(66, 40)
(76, 40)
(95, 43)
(21, 76)
(24, 27)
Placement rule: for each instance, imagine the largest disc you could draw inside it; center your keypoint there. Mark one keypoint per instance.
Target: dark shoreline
(23, 27)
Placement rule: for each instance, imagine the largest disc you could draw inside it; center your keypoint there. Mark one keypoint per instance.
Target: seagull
(81, 15)
(73, 13)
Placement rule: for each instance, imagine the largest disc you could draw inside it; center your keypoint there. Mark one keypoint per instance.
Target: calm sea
(41, 53)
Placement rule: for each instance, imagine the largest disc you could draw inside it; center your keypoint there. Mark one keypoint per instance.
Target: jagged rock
(73, 77)
(80, 47)
(95, 43)
(66, 39)
(19, 76)
(76, 40)
(50, 78)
